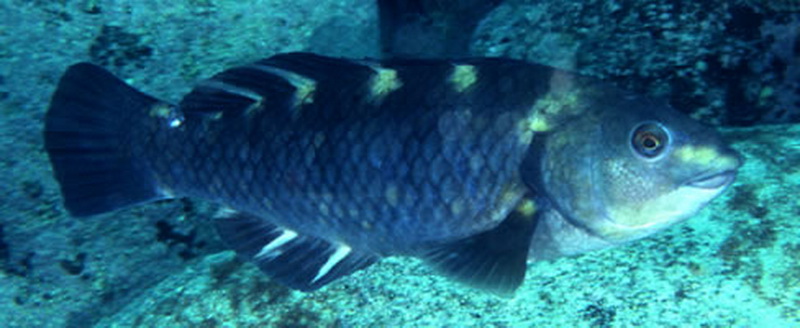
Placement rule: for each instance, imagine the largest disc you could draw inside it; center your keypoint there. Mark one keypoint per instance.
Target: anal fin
(298, 261)
(494, 260)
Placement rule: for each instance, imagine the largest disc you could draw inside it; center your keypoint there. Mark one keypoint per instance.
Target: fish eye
(649, 140)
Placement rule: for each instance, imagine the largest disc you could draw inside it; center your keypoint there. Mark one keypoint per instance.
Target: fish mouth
(712, 181)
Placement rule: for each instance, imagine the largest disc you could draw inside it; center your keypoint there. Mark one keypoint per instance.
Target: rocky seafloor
(737, 264)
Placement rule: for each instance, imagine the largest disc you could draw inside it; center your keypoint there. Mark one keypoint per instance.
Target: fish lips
(714, 180)
(721, 175)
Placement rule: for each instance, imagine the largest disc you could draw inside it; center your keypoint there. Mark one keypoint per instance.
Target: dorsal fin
(318, 67)
(278, 82)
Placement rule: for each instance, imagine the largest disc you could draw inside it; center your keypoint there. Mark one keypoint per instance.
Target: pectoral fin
(494, 260)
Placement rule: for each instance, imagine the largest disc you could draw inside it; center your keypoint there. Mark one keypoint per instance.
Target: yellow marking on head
(463, 77)
(391, 195)
(527, 208)
(728, 161)
(383, 82)
(702, 155)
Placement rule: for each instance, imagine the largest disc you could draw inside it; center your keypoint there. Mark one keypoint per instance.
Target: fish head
(627, 166)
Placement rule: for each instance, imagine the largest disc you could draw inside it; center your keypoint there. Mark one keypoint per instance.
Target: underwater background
(734, 64)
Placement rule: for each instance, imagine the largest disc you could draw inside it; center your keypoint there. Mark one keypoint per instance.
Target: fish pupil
(649, 140)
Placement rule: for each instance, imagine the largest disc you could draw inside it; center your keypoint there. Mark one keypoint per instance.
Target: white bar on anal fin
(285, 237)
(341, 252)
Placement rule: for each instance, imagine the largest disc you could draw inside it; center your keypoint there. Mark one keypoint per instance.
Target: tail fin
(88, 137)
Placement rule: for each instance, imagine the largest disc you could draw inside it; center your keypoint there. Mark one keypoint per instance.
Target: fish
(323, 166)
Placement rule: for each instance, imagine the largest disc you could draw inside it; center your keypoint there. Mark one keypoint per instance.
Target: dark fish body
(383, 165)
(325, 165)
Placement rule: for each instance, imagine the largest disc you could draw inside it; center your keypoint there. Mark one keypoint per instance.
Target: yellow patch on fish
(168, 113)
(383, 82)
(304, 92)
(527, 208)
(554, 107)
(702, 155)
(556, 102)
(509, 196)
(538, 124)
(463, 77)
(566, 99)
(161, 111)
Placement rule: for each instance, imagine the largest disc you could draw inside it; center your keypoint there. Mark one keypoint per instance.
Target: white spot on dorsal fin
(232, 89)
(258, 100)
(270, 250)
(304, 86)
(341, 252)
